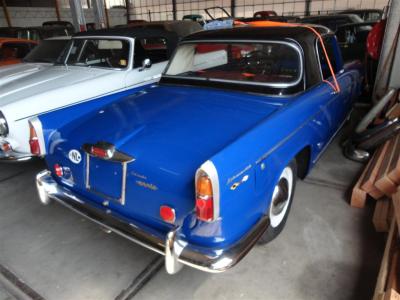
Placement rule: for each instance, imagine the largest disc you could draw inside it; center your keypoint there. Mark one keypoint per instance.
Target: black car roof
(324, 17)
(134, 32)
(298, 33)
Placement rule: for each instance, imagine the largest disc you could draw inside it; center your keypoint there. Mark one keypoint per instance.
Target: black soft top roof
(300, 34)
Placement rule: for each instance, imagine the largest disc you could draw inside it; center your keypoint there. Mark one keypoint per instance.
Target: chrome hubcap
(281, 197)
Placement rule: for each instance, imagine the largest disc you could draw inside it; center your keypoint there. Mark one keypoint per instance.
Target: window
(15, 50)
(46, 51)
(153, 48)
(329, 46)
(372, 17)
(269, 63)
(29, 34)
(100, 53)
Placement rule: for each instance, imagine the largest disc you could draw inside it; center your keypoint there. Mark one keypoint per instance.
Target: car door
(338, 102)
(149, 61)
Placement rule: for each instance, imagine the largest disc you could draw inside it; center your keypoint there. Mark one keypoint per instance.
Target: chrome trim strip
(14, 157)
(123, 185)
(177, 251)
(295, 46)
(87, 184)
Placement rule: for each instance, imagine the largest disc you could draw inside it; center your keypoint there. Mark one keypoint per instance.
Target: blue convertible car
(203, 165)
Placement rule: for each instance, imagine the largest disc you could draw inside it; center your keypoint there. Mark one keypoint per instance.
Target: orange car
(13, 50)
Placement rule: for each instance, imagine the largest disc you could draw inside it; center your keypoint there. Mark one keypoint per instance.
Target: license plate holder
(106, 178)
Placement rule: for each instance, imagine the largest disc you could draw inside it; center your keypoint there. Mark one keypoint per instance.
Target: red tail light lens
(33, 141)
(204, 199)
(167, 214)
(58, 170)
(102, 153)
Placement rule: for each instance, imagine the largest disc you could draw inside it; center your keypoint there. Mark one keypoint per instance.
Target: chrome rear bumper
(176, 250)
(12, 156)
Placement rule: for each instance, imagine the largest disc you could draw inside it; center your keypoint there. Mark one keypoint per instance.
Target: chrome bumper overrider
(177, 251)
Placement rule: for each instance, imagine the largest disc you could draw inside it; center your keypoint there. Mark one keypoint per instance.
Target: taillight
(101, 153)
(34, 141)
(204, 198)
(58, 170)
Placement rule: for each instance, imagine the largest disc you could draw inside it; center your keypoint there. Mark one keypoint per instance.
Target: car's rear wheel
(281, 202)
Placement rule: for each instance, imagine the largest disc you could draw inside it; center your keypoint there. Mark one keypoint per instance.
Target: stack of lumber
(388, 282)
(381, 176)
(380, 180)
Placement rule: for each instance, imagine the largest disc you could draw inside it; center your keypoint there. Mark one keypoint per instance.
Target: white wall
(35, 16)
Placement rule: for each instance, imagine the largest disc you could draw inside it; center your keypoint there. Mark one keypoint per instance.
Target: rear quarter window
(333, 54)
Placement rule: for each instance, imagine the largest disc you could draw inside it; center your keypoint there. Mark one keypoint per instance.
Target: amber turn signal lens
(204, 199)
(204, 186)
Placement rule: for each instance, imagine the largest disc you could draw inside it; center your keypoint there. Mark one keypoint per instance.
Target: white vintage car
(94, 64)
(42, 56)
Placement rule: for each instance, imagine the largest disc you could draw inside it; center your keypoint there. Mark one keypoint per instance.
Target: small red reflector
(99, 152)
(58, 170)
(167, 214)
(6, 147)
(205, 209)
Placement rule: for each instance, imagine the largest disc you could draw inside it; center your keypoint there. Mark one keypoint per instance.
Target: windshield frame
(64, 58)
(291, 44)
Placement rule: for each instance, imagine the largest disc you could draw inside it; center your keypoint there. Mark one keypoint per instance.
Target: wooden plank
(394, 166)
(384, 268)
(396, 207)
(394, 111)
(380, 218)
(368, 183)
(358, 195)
(393, 280)
(392, 295)
(383, 182)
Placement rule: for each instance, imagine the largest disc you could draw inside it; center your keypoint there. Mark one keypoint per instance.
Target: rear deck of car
(320, 254)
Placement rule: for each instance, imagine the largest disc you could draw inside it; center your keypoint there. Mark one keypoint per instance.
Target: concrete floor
(328, 250)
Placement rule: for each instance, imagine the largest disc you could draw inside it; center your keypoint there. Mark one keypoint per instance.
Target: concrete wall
(35, 16)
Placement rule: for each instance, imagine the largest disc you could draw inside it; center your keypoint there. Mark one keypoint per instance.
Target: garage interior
(339, 241)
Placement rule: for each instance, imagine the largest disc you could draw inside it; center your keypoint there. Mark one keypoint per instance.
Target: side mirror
(145, 64)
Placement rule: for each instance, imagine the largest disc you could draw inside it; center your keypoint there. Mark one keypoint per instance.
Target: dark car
(332, 21)
(368, 15)
(39, 33)
(66, 24)
(10, 32)
(352, 39)
(265, 14)
(181, 28)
